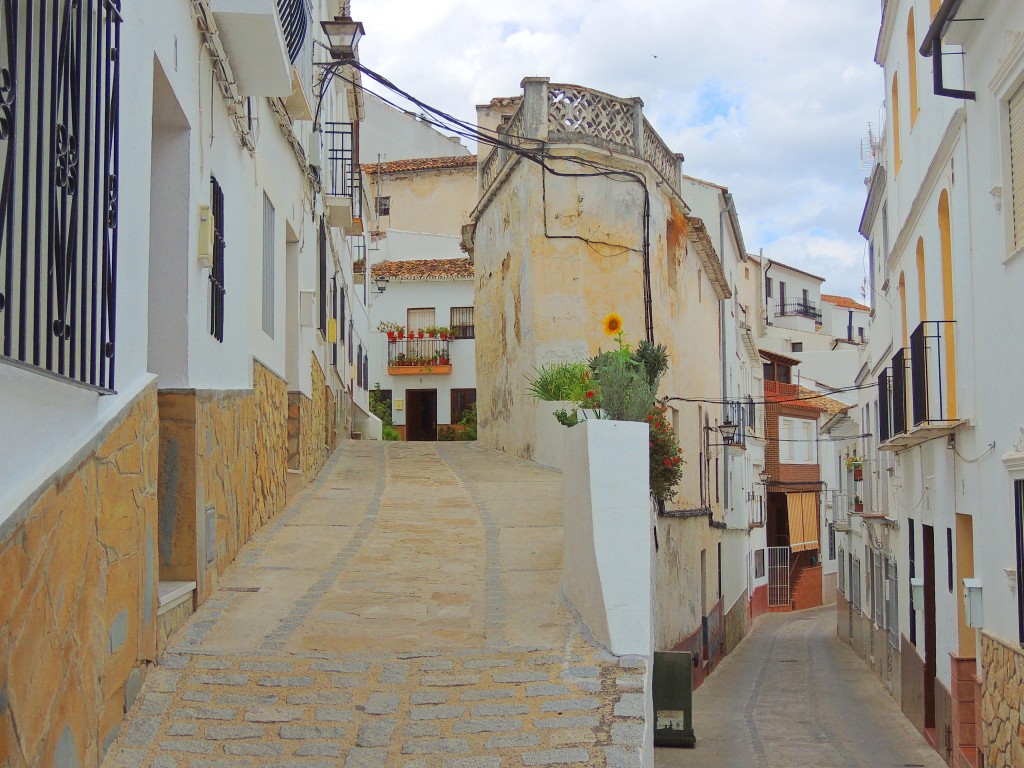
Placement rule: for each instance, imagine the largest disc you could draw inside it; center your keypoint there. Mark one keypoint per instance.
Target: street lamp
(382, 283)
(728, 431)
(766, 476)
(343, 35)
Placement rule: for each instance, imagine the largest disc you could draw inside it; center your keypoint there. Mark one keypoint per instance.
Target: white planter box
(607, 519)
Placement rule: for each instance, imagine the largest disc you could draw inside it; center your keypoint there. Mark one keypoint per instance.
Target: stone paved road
(402, 611)
(793, 695)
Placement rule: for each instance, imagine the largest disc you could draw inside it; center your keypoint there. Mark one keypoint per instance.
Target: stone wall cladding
(1002, 695)
(271, 444)
(315, 425)
(78, 608)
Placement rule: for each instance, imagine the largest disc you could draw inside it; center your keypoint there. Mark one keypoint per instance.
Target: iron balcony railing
(931, 351)
(60, 67)
(741, 413)
(885, 406)
(899, 392)
(801, 309)
(344, 176)
(418, 352)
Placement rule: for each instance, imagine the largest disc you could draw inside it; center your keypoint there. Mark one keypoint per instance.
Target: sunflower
(612, 324)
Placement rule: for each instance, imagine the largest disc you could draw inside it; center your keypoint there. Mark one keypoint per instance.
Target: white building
(943, 220)
(167, 316)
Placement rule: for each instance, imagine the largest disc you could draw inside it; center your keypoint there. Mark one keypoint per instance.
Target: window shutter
(1017, 165)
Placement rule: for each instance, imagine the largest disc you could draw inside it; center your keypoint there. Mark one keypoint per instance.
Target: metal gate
(778, 576)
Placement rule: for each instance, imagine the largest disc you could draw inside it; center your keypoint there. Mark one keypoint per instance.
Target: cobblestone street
(402, 611)
(793, 695)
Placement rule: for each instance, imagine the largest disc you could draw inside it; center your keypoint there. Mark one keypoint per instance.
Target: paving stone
(547, 689)
(236, 699)
(164, 680)
(583, 721)
(557, 757)
(319, 750)
(224, 732)
(203, 663)
(630, 705)
(434, 746)
(357, 667)
(630, 681)
(285, 682)
(141, 731)
(450, 680)
(273, 715)
(347, 681)
(423, 728)
(588, 686)
(628, 733)
(473, 762)
(577, 672)
(573, 737)
(381, 704)
(321, 697)
(428, 697)
(261, 749)
(203, 697)
(622, 757)
(394, 674)
(494, 710)
(300, 762)
(183, 745)
(265, 666)
(163, 761)
(366, 758)
(438, 712)
(312, 732)
(570, 705)
(488, 725)
(514, 741)
(331, 715)
(129, 758)
(493, 693)
(155, 704)
(519, 677)
(376, 733)
(222, 679)
(436, 665)
(487, 663)
(182, 729)
(205, 713)
(633, 662)
(174, 660)
(551, 658)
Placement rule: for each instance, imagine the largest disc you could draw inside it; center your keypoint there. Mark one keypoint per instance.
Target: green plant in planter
(560, 381)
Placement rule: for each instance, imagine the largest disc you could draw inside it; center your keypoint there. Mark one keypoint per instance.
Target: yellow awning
(803, 521)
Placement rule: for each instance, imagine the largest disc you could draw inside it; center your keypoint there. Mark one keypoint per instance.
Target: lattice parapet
(660, 156)
(573, 110)
(492, 167)
(516, 126)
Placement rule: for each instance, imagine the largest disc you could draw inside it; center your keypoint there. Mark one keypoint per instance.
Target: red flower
(590, 393)
(650, 445)
(668, 462)
(675, 460)
(649, 418)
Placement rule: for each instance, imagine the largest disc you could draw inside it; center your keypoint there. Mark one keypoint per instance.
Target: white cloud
(770, 97)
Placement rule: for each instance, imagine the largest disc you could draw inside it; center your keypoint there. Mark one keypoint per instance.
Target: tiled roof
(773, 262)
(812, 399)
(844, 302)
(505, 101)
(424, 269)
(421, 164)
(775, 357)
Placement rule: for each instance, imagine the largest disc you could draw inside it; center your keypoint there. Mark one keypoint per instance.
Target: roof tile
(844, 302)
(420, 164)
(424, 269)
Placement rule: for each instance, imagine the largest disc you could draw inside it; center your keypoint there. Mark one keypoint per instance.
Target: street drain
(789, 661)
(239, 589)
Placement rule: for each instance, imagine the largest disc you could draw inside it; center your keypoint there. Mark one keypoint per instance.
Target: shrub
(390, 433)
(666, 457)
(560, 381)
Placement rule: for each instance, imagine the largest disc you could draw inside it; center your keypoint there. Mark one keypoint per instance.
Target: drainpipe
(764, 284)
(849, 327)
(932, 46)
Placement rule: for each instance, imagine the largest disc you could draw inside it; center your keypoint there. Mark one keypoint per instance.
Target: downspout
(849, 326)
(932, 47)
(764, 286)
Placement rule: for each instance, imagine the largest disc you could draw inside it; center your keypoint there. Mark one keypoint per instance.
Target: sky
(770, 98)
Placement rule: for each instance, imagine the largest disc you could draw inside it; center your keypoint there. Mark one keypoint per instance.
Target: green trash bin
(673, 699)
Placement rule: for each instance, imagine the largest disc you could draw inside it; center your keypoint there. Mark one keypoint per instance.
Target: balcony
(343, 179)
(419, 357)
(806, 309)
(254, 39)
(932, 389)
(742, 414)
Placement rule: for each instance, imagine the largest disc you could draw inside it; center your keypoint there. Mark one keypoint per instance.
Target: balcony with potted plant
(417, 355)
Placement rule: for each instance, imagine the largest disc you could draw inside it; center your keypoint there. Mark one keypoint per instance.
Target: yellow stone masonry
(78, 608)
(1002, 695)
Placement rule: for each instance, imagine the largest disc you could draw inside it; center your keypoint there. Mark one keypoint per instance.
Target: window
(268, 266)
(855, 582)
(797, 441)
(217, 273)
(768, 287)
(879, 585)
(759, 564)
(383, 206)
(341, 316)
(911, 550)
(949, 560)
(782, 294)
(359, 367)
(462, 322)
(419, 318)
(860, 332)
(1017, 166)
(892, 604)
(366, 370)
(842, 571)
(831, 541)
(461, 400)
(796, 346)
(1018, 503)
(871, 273)
(334, 311)
(322, 274)
(806, 297)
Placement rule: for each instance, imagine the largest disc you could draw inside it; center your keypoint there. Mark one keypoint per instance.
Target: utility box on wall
(973, 613)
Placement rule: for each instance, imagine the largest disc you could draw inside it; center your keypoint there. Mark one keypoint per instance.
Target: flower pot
(444, 337)
(858, 507)
(401, 334)
(419, 335)
(858, 473)
(431, 334)
(391, 335)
